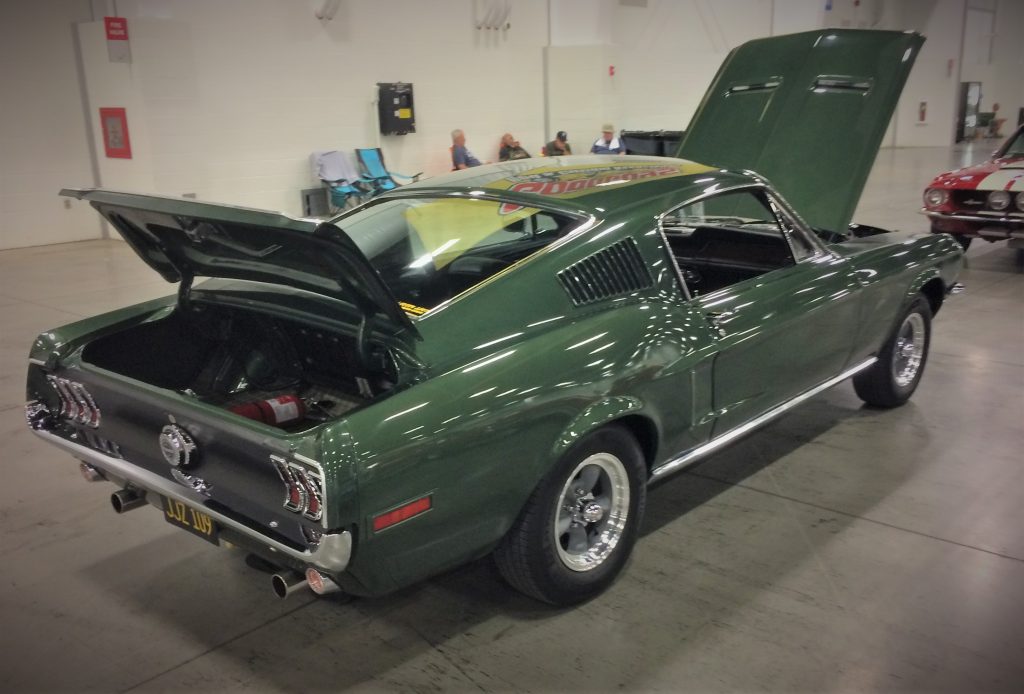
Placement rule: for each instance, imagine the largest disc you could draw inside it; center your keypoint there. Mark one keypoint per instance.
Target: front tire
(962, 239)
(891, 380)
(579, 526)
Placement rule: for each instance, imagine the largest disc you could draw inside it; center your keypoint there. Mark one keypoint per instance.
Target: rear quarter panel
(517, 374)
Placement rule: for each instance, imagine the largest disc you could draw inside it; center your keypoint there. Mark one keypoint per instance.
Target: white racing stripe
(1004, 179)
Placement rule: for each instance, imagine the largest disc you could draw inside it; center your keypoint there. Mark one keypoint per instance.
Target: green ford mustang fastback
(501, 360)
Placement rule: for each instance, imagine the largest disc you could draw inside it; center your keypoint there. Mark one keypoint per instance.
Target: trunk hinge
(184, 289)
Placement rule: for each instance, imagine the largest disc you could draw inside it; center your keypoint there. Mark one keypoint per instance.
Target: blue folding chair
(345, 187)
(372, 161)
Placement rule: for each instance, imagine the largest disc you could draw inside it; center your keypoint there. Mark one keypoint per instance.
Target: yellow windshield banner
(567, 182)
(449, 227)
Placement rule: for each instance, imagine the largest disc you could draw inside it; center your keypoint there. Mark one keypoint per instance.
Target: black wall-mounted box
(395, 108)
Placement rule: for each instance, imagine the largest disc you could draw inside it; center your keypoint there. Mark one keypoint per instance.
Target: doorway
(967, 113)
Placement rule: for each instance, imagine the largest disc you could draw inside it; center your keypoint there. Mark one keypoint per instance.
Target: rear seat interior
(714, 257)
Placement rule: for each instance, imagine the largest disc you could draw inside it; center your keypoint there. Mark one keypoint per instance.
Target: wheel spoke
(577, 539)
(588, 478)
(589, 521)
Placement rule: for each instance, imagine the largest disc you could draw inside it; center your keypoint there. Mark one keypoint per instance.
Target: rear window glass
(428, 250)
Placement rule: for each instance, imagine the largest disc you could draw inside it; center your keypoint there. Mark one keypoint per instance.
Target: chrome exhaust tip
(319, 583)
(90, 473)
(124, 500)
(288, 583)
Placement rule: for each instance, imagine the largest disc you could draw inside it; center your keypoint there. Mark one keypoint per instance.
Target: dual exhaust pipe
(284, 584)
(124, 500)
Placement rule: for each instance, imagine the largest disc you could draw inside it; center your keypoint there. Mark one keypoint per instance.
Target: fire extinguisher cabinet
(395, 108)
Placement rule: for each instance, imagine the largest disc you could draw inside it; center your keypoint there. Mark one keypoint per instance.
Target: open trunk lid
(807, 111)
(184, 239)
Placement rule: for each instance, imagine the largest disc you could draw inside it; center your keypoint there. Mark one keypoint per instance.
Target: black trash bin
(670, 141)
(659, 143)
(641, 142)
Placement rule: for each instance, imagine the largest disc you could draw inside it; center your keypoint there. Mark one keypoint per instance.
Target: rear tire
(577, 529)
(891, 380)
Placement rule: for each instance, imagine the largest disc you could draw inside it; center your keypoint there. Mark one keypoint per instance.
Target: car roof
(592, 183)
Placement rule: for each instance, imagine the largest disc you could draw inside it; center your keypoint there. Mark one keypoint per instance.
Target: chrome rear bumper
(331, 555)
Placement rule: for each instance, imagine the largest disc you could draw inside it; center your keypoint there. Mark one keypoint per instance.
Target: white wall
(1002, 77)
(664, 54)
(791, 16)
(668, 52)
(932, 80)
(43, 136)
(227, 99)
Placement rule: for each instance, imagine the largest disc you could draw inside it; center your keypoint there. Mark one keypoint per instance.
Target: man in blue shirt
(608, 143)
(462, 158)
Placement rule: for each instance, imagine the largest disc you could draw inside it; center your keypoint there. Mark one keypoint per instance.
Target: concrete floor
(840, 549)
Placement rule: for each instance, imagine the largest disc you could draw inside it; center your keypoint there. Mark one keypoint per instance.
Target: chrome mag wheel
(592, 512)
(908, 352)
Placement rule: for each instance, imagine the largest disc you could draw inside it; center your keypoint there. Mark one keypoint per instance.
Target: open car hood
(807, 111)
(184, 239)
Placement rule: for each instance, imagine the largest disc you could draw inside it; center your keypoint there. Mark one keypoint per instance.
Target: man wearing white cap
(608, 143)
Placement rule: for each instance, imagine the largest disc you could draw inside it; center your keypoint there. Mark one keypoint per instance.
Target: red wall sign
(117, 28)
(114, 122)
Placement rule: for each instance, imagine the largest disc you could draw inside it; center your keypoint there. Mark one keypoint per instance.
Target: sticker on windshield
(412, 308)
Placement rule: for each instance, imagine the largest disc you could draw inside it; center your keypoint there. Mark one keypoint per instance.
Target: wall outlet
(190, 196)
(67, 204)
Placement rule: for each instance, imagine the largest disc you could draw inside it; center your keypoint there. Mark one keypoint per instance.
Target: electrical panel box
(395, 108)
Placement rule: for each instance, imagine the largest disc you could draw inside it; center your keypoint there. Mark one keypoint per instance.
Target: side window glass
(722, 240)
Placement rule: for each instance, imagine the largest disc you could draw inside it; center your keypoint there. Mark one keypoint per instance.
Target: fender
(914, 288)
(593, 417)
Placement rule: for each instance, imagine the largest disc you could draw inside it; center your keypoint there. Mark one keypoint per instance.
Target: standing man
(462, 158)
(559, 146)
(608, 143)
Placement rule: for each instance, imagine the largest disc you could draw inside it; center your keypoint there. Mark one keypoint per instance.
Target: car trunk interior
(238, 359)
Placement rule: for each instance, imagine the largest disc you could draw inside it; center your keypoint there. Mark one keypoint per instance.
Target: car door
(784, 309)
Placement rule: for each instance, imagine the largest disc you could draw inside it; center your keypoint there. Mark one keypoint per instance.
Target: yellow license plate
(196, 522)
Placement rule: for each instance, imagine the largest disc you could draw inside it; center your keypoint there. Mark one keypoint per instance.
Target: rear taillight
(76, 403)
(303, 487)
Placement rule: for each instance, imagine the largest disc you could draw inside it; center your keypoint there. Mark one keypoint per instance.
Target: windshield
(1016, 146)
(428, 250)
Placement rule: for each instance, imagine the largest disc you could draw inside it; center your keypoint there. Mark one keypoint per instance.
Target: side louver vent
(613, 271)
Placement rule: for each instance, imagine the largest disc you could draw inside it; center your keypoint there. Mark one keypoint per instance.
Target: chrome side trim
(695, 454)
(332, 554)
